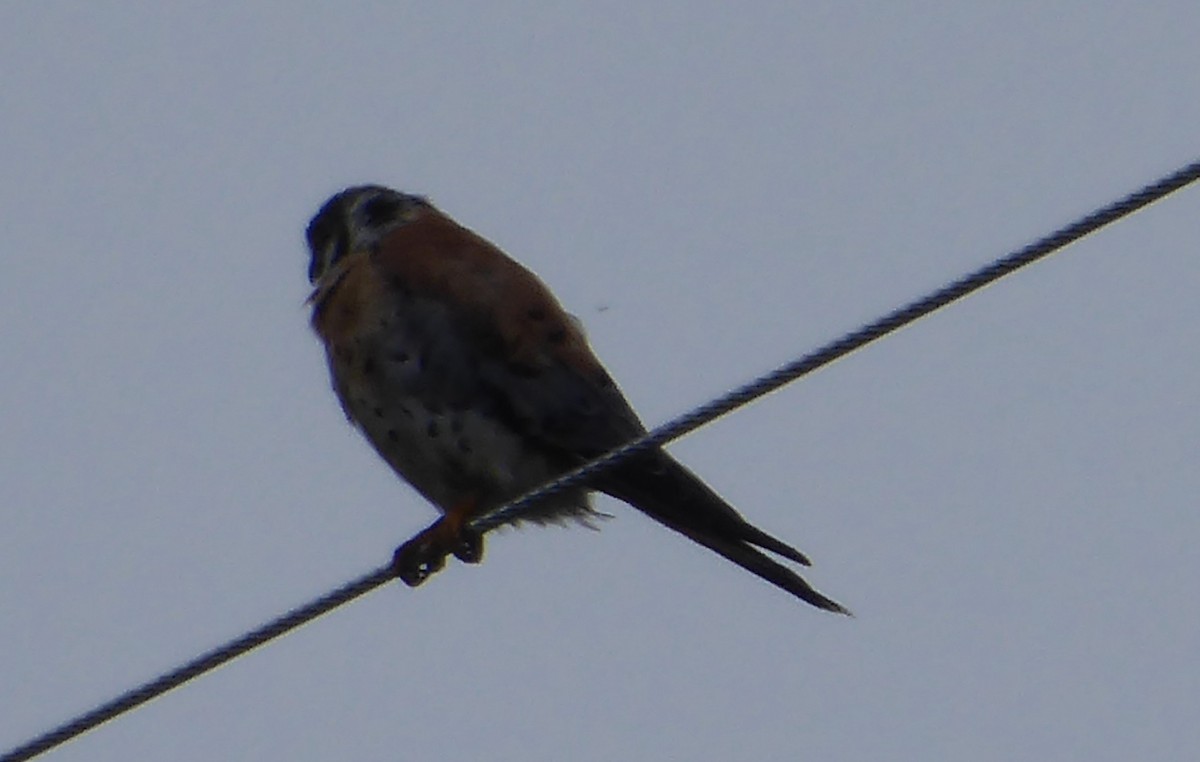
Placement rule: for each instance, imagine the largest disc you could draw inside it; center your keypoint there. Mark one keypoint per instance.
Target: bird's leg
(425, 554)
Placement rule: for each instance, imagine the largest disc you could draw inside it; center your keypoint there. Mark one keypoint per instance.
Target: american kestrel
(475, 386)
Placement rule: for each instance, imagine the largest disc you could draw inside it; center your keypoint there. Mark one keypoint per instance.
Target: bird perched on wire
(475, 386)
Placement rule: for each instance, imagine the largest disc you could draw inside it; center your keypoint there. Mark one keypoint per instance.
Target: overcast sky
(1004, 493)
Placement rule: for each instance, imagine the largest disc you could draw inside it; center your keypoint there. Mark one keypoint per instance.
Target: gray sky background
(1005, 493)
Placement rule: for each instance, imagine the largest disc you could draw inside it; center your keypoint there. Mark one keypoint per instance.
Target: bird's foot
(423, 555)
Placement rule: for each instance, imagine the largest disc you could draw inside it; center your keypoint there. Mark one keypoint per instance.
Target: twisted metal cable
(663, 434)
(199, 665)
(834, 350)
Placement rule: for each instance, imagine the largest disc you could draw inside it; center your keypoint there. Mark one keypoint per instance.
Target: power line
(201, 664)
(670, 431)
(834, 350)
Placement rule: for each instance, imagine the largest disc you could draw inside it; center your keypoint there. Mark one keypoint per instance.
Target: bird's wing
(527, 357)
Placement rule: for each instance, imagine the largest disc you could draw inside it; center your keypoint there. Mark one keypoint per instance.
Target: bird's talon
(468, 546)
(416, 561)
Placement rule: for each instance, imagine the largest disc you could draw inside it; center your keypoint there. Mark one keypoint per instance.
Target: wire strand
(668, 432)
(843, 346)
(201, 664)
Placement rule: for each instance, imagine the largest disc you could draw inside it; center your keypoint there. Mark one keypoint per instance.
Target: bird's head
(356, 219)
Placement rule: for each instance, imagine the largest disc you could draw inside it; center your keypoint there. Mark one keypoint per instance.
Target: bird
(472, 382)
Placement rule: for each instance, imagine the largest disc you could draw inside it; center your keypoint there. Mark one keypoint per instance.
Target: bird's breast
(409, 379)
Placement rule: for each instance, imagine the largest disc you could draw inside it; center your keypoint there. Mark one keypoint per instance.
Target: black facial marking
(333, 230)
(432, 430)
(557, 335)
(536, 314)
(325, 232)
(380, 210)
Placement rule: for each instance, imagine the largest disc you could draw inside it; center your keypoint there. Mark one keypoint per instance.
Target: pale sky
(1004, 493)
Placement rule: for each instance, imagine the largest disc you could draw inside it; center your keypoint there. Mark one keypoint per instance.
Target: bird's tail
(666, 491)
